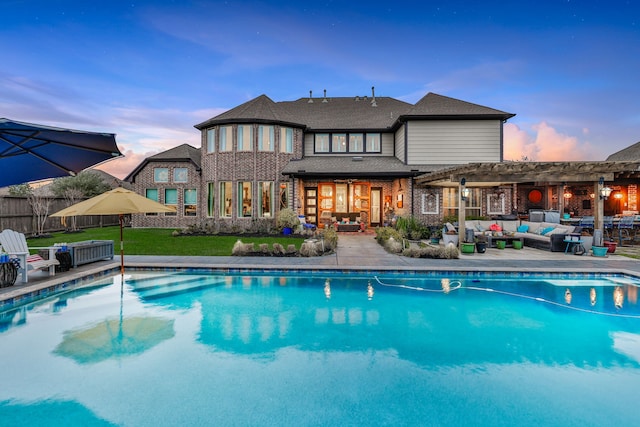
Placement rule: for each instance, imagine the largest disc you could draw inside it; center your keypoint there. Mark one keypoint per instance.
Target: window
(244, 199)
(171, 199)
(355, 143)
(265, 138)
(245, 138)
(450, 202)
(284, 195)
(339, 143)
(161, 175)
(211, 140)
(210, 199)
(430, 203)
(152, 193)
(373, 143)
(286, 140)
(225, 143)
(190, 202)
(265, 206)
(226, 197)
(322, 143)
(341, 198)
(180, 175)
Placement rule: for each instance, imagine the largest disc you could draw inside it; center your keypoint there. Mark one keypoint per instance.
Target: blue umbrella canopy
(31, 152)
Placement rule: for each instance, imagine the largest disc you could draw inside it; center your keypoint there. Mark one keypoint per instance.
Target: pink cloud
(544, 144)
(123, 166)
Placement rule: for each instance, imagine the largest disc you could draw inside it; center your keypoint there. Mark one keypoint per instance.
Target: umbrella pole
(121, 247)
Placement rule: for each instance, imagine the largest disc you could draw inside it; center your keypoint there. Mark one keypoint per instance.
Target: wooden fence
(16, 214)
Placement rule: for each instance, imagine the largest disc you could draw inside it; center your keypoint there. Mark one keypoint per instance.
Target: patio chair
(607, 223)
(587, 222)
(15, 244)
(305, 225)
(626, 232)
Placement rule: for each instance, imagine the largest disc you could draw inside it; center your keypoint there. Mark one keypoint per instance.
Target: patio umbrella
(118, 201)
(30, 152)
(114, 338)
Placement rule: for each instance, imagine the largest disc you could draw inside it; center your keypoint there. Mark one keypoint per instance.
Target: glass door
(311, 205)
(376, 207)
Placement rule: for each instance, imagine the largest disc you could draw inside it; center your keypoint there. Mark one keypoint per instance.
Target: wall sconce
(605, 192)
(567, 193)
(464, 191)
(399, 203)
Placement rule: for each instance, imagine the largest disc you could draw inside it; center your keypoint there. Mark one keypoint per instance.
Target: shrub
(278, 249)
(394, 246)
(310, 249)
(330, 237)
(291, 250)
(264, 249)
(287, 218)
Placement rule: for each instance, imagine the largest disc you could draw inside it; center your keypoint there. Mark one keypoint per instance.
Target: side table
(575, 246)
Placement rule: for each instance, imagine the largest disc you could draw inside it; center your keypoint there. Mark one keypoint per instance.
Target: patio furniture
(88, 251)
(15, 244)
(607, 223)
(626, 232)
(587, 222)
(493, 240)
(305, 225)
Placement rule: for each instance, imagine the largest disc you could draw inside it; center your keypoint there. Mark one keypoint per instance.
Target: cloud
(545, 144)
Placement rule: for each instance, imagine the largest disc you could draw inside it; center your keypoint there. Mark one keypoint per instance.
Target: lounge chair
(15, 244)
(626, 230)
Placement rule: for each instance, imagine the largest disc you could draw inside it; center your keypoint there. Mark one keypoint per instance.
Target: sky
(148, 71)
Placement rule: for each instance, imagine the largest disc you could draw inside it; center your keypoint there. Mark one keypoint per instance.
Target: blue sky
(150, 70)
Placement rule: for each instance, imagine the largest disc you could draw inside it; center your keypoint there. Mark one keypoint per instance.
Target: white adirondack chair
(15, 244)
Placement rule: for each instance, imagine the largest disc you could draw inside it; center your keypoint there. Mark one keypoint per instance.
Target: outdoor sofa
(539, 235)
(346, 221)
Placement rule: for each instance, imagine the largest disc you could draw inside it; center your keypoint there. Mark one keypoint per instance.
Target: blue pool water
(321, 348)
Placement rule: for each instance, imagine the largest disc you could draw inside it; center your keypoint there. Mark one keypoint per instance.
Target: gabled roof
(376, 113)
(351, 167)
(630, 153)
(438, 106)
(181, 153)
(260, 109)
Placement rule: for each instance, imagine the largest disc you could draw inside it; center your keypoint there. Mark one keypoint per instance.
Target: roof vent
(325, 96)
(357, 98)
(373, 97)
(310, 101)
(357, 158)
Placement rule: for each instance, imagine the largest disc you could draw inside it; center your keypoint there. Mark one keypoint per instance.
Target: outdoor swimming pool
(324, 348)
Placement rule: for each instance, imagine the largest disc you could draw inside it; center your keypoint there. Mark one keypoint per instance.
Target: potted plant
(450, 237)
(481, 244)
(436, 235)
(610, 245)
(287, 220)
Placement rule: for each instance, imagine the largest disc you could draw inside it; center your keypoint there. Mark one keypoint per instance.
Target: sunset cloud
(544, 144)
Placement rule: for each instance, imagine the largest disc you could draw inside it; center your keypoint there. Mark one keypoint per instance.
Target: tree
(73, 188)
(40, 202)
(20, 190)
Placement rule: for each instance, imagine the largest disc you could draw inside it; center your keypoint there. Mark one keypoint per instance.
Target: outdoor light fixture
(605, 192)
(567, 193)
(464, 191)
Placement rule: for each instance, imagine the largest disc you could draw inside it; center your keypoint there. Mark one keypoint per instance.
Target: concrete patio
(356, 251)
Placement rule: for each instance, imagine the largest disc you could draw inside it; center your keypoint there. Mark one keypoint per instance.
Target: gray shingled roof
(181, 153)
(433, 104)
(630, 153)
(351, 113)
(351, 166)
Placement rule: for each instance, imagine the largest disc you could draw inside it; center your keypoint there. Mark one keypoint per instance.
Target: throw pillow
(546, 231)
(523, 228)
(345, 220)
(479, 227)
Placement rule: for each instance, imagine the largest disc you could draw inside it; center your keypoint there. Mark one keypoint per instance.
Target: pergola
(509, 173)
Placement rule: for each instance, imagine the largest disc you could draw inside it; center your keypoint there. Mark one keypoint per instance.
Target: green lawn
(160, 241)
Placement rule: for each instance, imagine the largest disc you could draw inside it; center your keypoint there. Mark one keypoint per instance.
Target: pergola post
(598, 223)
(461, 213)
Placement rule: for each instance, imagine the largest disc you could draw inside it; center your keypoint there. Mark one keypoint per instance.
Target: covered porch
(571, 190)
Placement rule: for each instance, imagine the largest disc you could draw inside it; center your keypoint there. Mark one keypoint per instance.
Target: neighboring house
(324, 157)
(630, 153)
(173, 177)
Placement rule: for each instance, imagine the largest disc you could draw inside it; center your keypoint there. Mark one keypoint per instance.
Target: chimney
(325, 96)
(373, 96)
(310, 101)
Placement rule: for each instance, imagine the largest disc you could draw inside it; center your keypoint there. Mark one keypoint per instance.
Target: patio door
(311, 205)
(376, 207)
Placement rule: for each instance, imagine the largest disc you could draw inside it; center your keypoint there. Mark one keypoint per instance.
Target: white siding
(308, 144)
(453, 141)
(399, 147)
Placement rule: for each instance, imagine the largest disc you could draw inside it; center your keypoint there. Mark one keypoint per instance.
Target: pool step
(166, 286)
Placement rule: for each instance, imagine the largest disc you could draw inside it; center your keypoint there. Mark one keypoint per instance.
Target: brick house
(322, 156)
